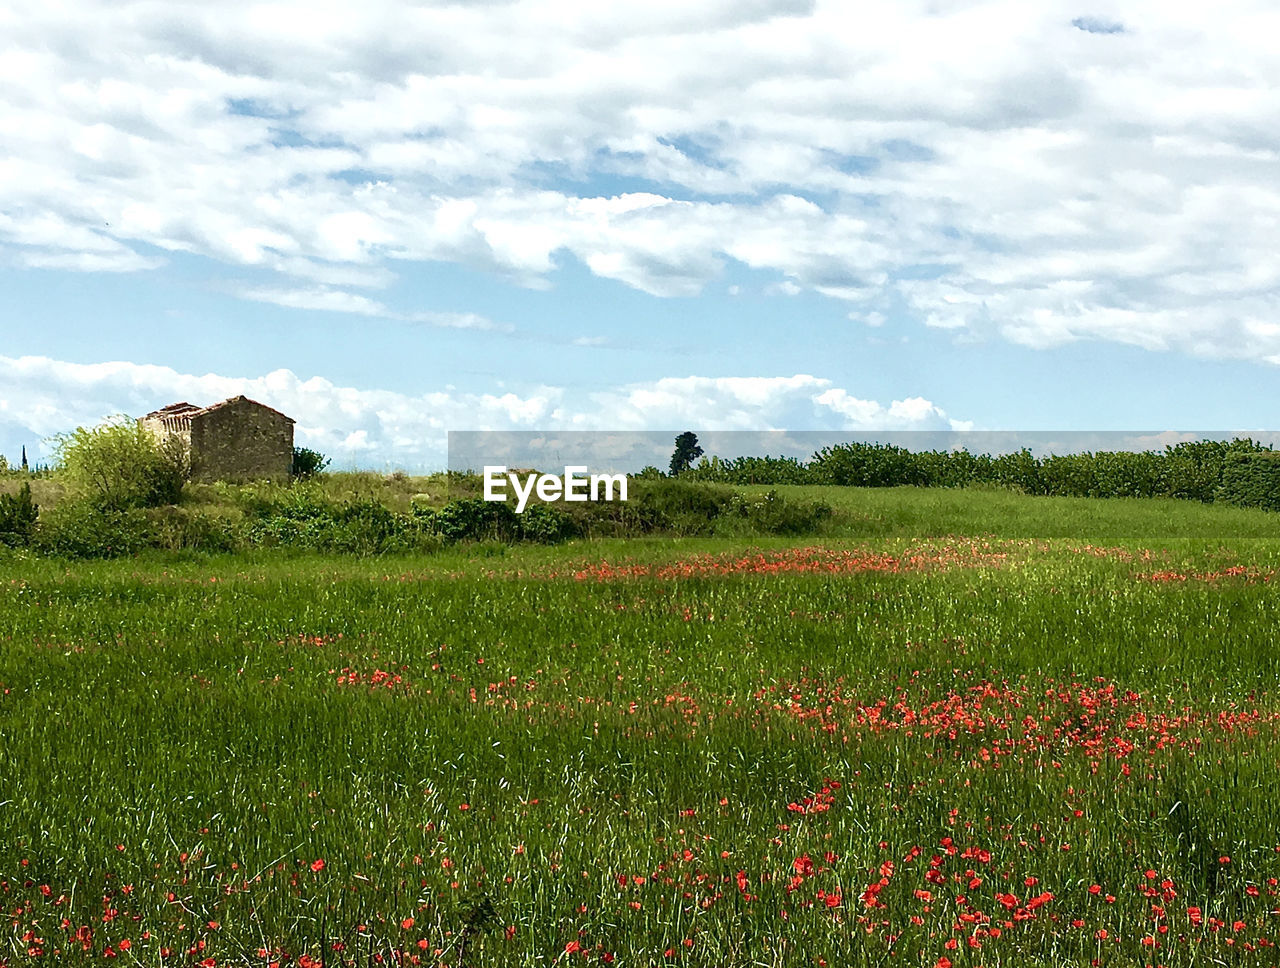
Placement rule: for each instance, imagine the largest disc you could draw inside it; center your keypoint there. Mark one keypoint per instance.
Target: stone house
(237, 439)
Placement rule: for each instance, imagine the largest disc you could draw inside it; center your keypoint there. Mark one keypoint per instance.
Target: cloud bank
(380, 428)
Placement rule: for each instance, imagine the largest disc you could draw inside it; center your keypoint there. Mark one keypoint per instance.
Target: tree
(120, 464)
(686, 452)
(24, 458)
(307, 462)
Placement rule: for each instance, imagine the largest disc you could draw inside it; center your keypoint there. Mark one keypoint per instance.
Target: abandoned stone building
(235, 440)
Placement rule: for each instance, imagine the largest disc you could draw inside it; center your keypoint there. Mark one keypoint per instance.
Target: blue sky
(400, 219)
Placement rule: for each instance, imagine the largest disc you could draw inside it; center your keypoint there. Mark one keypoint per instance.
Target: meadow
(960, 728)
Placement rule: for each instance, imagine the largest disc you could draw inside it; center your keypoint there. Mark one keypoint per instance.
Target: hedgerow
(1192, 470)
(302, 518)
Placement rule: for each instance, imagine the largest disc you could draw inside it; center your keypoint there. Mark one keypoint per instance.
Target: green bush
(1068, 475)
(772, 514)
(1125, 474)
(1192, 470)
(676, 506)
(1019, 471)
(475, 519)
(1251, 480)
(85, 529)
(17, 517)
(545, 524)
(941, 468)
(120, 465)
(868, 465)
(365, 527)
(300, 517)
(177, 528)
(280, 531)
(612, 519)
(308, 462)
(752, 470)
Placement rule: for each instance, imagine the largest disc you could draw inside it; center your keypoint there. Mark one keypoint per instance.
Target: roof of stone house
(185, 409)
(243, 399)
(174, 409)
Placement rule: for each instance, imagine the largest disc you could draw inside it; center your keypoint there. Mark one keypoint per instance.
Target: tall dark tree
(686, 452)
(24, 457)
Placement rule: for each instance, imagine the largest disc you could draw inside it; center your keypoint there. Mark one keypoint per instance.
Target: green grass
(909, 511)
(182, 739)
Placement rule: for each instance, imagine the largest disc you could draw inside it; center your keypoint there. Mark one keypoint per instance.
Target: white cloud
(326, 299)
(123, 261)
(371, 427)
(913, 413)
(1015, 150)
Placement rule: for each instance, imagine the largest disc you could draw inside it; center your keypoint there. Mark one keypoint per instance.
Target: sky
(395, 219)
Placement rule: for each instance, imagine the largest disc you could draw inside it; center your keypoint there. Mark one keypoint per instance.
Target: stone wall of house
(240, 440)
(162, 430)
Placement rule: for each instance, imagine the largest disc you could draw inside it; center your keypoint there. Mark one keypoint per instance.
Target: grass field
(964, 729)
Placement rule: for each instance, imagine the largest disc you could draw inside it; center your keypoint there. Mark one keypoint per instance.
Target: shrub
(308, 462)
(1251, 480)
(1019, 471)
(610, 519)
(752, 470)
(1129, 474)
(176, 528)
(545, 524)
(1067, 475)
(120, 465)
(1192, 470)
(85, 529)
(772, 514)
(867, 465)
(281, 531)
(301, 517)
(475, 519)
(17, 517)
(680, 507)
(364, 527)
